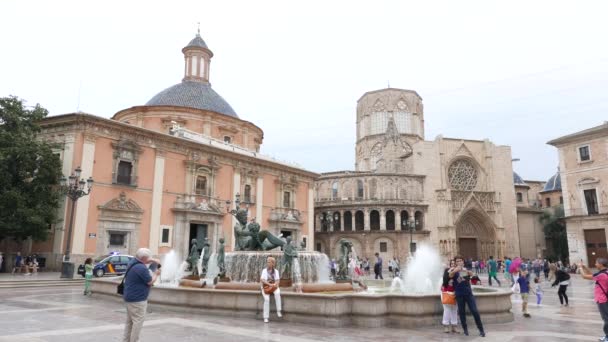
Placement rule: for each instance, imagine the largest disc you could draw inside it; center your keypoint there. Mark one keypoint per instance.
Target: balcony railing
(602, 210)
(363, 201)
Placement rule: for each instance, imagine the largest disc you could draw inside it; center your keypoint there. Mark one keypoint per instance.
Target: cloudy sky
(518, 73)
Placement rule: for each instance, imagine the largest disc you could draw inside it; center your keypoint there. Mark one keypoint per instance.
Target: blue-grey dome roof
(197, 42)
(554, 183)
(517, 180)
(193, 95)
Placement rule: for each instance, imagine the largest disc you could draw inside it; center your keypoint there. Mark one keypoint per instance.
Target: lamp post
(74, 188)
(412, 223)
(326, 221)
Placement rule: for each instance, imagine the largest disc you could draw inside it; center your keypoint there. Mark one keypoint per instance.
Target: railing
(285, 214)
(602, 210)
(363, 201)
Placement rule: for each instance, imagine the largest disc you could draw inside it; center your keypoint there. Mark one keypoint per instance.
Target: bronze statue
(194, 257)
(206, 256)
(220, 259)
(250, 237)
(289, 253)
(346, 247)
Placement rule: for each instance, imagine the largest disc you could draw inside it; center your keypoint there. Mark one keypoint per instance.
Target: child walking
(524, 291)
(539, 291)
(88, 275)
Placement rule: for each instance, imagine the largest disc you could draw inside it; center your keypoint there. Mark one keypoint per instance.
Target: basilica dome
(195, 90)
(554, 183)
(517, 180)
(193, 94)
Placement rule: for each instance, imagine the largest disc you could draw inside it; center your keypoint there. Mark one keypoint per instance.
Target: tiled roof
(193, 95)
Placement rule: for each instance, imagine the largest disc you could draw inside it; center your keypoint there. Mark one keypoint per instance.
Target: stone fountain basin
(329, 310)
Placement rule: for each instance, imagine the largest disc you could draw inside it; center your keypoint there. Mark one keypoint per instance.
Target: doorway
(468, 248)
(198, 232)
(595, 241)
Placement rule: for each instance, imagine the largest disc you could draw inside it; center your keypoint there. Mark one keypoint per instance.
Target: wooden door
(468, 248)
(595, 241)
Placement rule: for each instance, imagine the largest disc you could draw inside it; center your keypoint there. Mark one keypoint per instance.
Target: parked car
(112, 264)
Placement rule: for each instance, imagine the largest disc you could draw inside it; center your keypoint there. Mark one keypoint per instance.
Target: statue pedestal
(192, 277)
(285, 283)
(342, 281)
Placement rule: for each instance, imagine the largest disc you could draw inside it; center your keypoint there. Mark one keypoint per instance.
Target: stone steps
(39, 283)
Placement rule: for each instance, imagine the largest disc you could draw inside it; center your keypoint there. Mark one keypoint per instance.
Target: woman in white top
(270, 278)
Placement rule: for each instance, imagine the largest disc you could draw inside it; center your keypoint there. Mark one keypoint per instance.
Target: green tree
(29, 173)
(554, 226)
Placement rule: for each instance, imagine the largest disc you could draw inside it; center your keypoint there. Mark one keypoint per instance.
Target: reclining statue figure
(249, 237)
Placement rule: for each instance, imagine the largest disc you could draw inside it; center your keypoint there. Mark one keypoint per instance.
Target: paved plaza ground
(64, 314)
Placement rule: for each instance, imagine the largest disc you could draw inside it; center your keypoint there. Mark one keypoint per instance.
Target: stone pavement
(64, 314)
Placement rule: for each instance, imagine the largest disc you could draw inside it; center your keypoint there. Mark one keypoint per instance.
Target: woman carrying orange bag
(448, 299)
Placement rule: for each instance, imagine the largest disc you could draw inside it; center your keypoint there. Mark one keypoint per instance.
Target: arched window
(348, 221)
(336, 221)
(359, 220)
(201, 185)
(334, 190)
(359, 188)
(324, 222)
(419, 217)
(248, 193)
(404, 217)
(390, 220)
(374, 220)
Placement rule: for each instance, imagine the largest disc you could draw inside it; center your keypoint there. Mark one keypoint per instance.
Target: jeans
(562, 293)
(136, 312)
(470, 301)
(539, 297)
(493, 275)
(603, 307)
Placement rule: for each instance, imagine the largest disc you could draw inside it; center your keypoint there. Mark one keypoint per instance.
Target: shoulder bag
(120, 289)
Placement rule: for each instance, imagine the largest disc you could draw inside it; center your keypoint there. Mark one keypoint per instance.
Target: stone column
(366, 221)
(157, 198)
(236, 186)
(382, 219)
(310, 241)
(397, 219)
(79, 229)
(259, 196)
(341, 220)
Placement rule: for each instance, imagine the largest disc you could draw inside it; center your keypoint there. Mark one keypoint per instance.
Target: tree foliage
(554, 226)
(29, 173)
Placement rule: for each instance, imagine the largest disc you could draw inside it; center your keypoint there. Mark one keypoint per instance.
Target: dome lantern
(197, 58)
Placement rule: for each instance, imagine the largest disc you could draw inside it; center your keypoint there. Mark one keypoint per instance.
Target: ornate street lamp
(326, 221)
(74, 188)
(411, 224)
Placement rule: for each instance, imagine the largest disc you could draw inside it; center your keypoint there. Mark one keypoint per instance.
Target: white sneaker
(279, 314)
(603, 339)
(265, 320)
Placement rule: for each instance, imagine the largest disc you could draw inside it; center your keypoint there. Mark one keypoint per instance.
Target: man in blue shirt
(138, 280)
(18, 262)
(378, 266)
(464, 295)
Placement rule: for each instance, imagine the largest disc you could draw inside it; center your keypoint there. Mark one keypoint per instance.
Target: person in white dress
(270, 279)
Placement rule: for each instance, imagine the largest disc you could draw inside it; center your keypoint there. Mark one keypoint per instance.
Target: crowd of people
(362, 267)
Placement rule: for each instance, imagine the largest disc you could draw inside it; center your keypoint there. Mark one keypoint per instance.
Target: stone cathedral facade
(454, 194)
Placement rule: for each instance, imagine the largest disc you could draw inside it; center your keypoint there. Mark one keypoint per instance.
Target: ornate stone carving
(462, 175)
(122, 203)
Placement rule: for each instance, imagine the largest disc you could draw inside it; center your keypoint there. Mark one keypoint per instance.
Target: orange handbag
(269, 289)
(448, 298)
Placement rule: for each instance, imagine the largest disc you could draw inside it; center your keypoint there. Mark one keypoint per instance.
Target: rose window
(462, 175)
